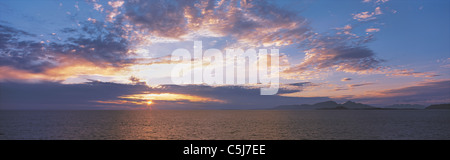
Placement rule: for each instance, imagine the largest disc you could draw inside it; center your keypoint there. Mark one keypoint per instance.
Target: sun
(149, 102)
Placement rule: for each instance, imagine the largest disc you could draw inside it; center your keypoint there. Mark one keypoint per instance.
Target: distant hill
(405, 106)
(327, 105)
(353, 105)
(439, 106)
(332, 105)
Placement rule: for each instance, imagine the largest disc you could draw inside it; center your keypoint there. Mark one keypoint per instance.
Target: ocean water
(226, 124)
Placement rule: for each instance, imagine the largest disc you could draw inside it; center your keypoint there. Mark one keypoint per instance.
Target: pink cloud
(364, 16)
(425, 92)
(378, 11)
(372, 30)
(116, 4)
(98, 7)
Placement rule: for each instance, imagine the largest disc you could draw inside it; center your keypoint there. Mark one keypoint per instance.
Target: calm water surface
(226, 124)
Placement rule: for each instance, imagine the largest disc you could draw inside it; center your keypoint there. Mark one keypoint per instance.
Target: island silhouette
(350, 105)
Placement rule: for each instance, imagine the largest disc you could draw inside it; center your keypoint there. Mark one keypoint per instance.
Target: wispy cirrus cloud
(359, 85)
(350, 86)
(409, 72)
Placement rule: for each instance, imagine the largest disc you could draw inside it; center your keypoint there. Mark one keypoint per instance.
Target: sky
(94, 54)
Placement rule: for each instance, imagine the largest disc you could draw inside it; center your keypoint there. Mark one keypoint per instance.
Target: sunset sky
(94, 54)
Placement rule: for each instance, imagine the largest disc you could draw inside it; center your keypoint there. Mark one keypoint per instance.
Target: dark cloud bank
(51, 95)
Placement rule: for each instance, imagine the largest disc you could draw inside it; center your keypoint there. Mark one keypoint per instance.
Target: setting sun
(149, 102)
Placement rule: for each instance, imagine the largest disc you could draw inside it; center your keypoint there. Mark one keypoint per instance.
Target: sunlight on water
(230, 124)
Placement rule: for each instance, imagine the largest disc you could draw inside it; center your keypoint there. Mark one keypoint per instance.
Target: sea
(226, 125)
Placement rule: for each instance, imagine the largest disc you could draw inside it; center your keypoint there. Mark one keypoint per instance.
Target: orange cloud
(69, 67)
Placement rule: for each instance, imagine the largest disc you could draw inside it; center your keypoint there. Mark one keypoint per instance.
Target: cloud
(426, 92)
(98, 7)
(375, 1)
(444, 63)
(52, 95)
(105, 46)
(97, 43)
(350, 86)
(359, 85)
(92, 20)
(346, 30)
(116, 4)
(255, 23)
(364, 16)
(346, 79)
(112, 14)
(347, 27)
(105, 95)
(77, 7)
(70, 67)
(340, 89)
(301, 84)
(158, 17)
(409, 72)
(258, 22)
(334, 53)
(135, 80)
(382, 1)
(378, 11)
(372, 30)
(330, 53)
(23, 54)
(367, 16)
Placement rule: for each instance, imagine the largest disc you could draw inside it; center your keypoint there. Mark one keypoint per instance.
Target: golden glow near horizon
(149, 98)
(169, 97)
